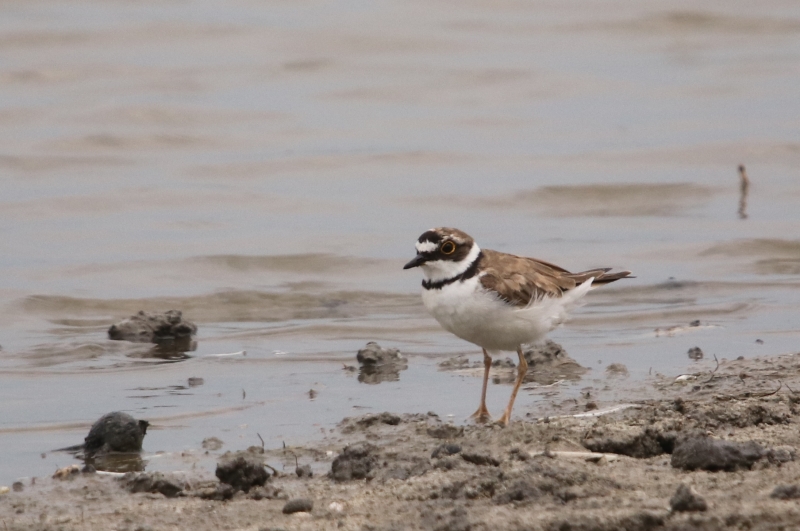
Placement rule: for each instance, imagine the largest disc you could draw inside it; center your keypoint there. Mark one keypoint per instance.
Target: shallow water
(266, 169)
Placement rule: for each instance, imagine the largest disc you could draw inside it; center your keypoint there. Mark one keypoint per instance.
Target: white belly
(469, 311)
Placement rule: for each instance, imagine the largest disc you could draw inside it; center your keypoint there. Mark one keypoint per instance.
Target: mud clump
(351, 425)
(699, 452)
(743, 415)
(355, 462)
(641, 521)
(298, 505)
(154, 482)
(113, 432)
(480, 458)
(786, 492)
(242, 472)
(444, 450)
(212, 444)
(549, 363)
(633, 441)
(165, 329)
(444, 431)
(686, 499)
(617, 370)
(379, 364)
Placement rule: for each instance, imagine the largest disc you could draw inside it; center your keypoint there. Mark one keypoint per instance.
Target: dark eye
(448, 248)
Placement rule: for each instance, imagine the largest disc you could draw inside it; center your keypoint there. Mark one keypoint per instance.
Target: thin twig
(262, 440)
(711, 376)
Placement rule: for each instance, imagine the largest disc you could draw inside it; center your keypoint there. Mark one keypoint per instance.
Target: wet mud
(712, 454)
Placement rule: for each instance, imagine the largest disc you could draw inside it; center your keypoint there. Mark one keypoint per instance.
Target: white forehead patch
(426, 247)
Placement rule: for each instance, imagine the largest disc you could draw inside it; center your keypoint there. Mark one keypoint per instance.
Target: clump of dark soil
(167, 329)
(687, 499)
(444, 450)
(151, 482)
(242, 472)
(549, 363)
(698, 452)
(633, 441)
(115, 432)
(355, 462)
(786, 492)
(378, 364)
(298, 505)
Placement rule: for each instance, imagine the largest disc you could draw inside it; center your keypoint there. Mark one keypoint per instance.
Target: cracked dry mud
(392, 474)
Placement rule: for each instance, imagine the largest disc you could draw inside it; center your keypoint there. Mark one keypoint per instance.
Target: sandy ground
(598, 469)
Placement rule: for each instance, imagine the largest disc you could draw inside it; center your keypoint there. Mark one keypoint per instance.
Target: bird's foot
(482, 415)
(504, 420)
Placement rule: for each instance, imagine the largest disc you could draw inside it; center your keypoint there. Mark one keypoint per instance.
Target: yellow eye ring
(448, 247)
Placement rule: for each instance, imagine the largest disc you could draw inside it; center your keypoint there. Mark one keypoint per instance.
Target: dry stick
(790, 389)
(262, 441)
(744, 184)
(711, 377)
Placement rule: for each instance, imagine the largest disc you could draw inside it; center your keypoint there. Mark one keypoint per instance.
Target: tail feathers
(601, 276)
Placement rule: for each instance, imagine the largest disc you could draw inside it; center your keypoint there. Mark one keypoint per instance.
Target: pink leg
(482, 414)
(522, 369)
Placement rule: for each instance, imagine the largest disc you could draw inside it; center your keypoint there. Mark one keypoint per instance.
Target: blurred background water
(266, 167)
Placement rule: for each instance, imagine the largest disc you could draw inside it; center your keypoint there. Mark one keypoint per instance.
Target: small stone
(336, 507)
(298, 505)
(304, 471)
(17, 486)
(687, 499)
(195, 381)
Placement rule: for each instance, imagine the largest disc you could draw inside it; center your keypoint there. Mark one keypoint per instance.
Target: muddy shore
(597, 467)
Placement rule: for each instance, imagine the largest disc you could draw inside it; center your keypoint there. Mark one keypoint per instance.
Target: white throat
(438, 270)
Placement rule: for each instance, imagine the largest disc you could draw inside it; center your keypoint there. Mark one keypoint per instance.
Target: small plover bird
(495, 300)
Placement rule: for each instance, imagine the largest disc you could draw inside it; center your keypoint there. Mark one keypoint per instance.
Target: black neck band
(471, 271)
